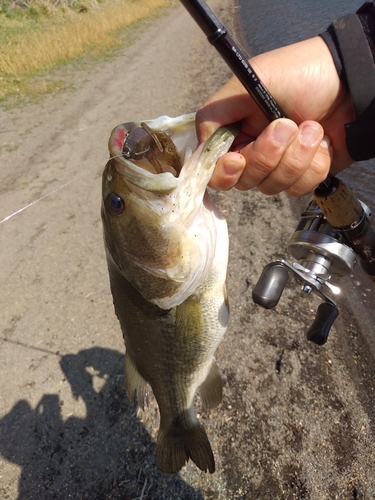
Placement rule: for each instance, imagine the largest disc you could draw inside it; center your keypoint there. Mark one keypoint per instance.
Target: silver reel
(321, 254)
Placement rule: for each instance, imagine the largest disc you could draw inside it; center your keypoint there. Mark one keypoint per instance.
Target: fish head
(158, 232)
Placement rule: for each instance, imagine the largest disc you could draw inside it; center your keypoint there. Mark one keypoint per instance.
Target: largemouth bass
(167, 250)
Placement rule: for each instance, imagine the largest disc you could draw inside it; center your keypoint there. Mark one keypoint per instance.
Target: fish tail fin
(174, 448)
(135, 383)
(211, 391)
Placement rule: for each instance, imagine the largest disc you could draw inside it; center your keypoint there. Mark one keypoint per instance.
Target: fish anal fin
(174, 449)
(135, 383)
(211, 390)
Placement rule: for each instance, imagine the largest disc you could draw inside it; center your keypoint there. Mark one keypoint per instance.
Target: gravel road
(297, 420)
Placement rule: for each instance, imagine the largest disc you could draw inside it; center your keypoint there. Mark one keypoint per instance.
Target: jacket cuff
(351, 42)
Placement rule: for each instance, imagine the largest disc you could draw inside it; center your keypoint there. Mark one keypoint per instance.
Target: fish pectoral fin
(135, 383)
(211, 391)
(174, 449)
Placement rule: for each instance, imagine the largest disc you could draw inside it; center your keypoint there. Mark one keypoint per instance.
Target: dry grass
(54, 33)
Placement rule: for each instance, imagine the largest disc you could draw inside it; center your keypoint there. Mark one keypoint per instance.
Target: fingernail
(232, 167)
(309, 135)
(283, 132)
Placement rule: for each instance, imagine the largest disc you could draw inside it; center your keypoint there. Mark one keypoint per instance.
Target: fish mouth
(151, 154)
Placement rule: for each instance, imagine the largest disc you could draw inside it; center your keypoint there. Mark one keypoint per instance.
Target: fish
(166, 246)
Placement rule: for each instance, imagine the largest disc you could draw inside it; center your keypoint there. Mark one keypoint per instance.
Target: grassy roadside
(40, 35)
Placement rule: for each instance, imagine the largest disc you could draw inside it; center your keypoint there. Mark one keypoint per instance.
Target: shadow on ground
(107, 455)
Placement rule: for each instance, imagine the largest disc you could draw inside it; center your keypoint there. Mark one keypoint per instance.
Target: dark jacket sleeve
(351, 41)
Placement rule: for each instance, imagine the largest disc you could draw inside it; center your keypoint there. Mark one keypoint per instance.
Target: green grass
(43, 36)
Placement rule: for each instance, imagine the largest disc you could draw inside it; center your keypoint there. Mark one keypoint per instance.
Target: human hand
(292, 155)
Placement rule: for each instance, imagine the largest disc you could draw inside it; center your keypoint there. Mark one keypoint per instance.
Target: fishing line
(51, 192)
(29, 346)
(40, 199)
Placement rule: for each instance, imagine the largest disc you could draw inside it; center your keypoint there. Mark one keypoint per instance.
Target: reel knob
(325, 316)
(271, 284)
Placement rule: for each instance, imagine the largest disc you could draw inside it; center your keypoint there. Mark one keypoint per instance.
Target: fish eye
(115, 204)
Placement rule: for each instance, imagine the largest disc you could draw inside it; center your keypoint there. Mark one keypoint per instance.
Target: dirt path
(297, 421)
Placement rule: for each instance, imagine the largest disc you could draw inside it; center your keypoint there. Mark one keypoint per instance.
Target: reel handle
(325, 316)
(270, 286)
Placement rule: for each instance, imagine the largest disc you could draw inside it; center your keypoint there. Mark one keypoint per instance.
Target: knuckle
(262, 164)
(297, 190)
(292, 168)
(268, 191)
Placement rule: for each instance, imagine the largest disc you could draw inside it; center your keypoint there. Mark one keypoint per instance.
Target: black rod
(218, 35)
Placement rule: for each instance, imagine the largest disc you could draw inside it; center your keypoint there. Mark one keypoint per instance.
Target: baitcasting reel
(322, 252)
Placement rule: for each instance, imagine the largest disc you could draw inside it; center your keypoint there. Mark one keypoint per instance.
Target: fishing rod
(333, 232)
(218, 35)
